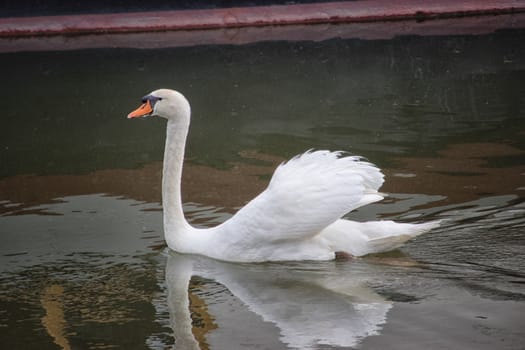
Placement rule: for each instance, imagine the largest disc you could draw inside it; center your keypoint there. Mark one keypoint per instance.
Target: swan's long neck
(176, 227)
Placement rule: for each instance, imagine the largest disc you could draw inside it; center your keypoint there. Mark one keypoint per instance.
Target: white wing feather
(305, 195)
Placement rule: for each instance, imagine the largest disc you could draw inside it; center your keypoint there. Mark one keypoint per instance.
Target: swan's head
(165, 103)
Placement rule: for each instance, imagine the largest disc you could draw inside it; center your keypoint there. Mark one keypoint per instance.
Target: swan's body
(297, 217)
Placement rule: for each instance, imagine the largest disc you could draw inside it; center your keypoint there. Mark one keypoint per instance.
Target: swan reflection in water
(311, 304)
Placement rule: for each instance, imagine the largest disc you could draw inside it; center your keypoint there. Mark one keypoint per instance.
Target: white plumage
(297, 217)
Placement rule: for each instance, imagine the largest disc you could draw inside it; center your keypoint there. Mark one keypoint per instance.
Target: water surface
(84, 264)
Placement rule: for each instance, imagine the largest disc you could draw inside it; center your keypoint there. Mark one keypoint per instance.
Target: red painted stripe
(334, 12)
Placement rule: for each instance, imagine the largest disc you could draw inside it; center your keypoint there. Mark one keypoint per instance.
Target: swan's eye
(151, 99)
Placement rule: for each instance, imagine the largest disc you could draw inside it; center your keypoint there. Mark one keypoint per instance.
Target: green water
(84, 265)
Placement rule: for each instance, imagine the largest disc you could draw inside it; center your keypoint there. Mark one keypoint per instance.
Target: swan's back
(330, 174)
(305, 195)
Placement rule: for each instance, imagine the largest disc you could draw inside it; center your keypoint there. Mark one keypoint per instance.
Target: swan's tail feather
(365, 238)
(394, 241)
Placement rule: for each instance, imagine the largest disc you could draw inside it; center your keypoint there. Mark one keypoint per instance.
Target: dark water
(84, 265)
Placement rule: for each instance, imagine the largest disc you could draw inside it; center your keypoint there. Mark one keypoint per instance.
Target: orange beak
(144, 110)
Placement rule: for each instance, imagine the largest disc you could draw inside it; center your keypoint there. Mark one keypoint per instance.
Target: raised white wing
(305, 195)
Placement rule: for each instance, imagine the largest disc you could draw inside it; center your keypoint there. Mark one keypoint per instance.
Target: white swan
(297, 217)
